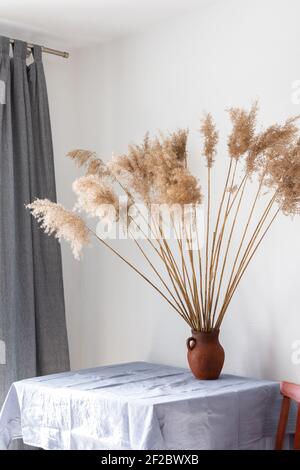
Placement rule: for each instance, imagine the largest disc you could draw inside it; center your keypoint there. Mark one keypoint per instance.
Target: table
(141, 406)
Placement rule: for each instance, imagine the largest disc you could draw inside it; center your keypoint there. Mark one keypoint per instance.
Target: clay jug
(205, 354)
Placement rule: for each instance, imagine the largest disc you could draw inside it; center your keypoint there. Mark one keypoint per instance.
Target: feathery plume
(92, 194)
(210, 134)
(131, 170)
(55, 219)
(178, 187)
(274, 140)
(146, 169)
(80, 156)
(243, 129)
(89, 160)
(283, 175)
(97, 167)
(175, 146)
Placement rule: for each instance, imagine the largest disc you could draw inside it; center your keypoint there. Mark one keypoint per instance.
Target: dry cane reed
(198, 283)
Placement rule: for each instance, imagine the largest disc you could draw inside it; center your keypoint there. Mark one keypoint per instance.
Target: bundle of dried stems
(156, 172)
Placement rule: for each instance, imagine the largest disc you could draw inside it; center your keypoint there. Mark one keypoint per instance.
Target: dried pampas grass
(243, 130)
(276, 139)
(55, 220)
(210, 134)
(199, 282)
(81, 157)
(92, 194)
(283, 176)
(156, 171)
(93, 165)
(178, 187)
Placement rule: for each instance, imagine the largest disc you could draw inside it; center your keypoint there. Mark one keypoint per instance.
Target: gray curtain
(33, 339)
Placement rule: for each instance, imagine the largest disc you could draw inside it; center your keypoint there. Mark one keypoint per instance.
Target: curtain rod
(47, 50)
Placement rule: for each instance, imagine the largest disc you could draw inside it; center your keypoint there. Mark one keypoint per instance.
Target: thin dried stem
(237, 193)
(258, 228)
(220, 211)
(207, 241)
(215, 261)
(186, 275)
(136, 270)
(200, 273)
(227, 250)
(174, 268)
(180, 307)
(216, 231)
(244, 233)
(171, 267)
(220, 319)
(194, 280)
(249, 247)
(178, 285)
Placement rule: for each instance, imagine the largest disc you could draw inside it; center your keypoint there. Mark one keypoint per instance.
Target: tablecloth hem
(7, 438)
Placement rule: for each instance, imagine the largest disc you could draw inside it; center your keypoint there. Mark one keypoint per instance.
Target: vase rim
(204, 333)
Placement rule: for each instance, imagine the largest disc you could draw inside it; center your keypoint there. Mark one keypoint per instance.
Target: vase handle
(188, 343)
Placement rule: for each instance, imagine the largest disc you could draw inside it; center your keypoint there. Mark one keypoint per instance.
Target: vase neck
(206, 335)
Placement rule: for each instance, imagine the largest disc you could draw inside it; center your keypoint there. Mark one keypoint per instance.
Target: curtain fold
(33, 338)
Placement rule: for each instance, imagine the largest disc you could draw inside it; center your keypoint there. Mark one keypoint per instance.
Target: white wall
(226, 54)
(62, 101)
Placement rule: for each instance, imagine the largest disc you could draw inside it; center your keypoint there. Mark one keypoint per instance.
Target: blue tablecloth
(141, 406)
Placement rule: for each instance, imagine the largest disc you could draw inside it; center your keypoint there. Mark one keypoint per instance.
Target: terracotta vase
(205, 354)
